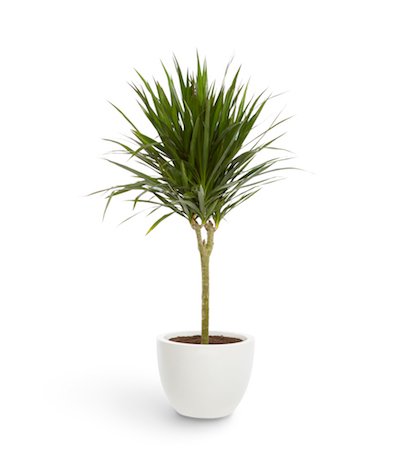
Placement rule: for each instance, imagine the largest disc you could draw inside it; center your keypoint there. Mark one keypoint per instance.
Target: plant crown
(199, 167)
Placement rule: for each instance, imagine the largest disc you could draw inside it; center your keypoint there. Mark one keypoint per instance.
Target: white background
(310, 265)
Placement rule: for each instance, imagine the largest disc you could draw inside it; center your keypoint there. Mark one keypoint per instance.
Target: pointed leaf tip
(158, 222)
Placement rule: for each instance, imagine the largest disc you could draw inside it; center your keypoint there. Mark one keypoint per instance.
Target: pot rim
(246, 338)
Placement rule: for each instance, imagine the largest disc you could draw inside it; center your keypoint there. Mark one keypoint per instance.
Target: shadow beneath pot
(139, 403)
(196, 421)
(150, 407)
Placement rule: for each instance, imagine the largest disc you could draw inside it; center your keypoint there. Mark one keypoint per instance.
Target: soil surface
(213, 339)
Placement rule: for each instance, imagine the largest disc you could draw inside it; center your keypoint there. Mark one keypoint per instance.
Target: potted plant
(201, 168)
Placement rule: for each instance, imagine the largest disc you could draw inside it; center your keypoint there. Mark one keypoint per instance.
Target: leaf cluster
(199, 167)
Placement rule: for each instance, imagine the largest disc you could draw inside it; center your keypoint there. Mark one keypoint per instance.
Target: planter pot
(205, 381)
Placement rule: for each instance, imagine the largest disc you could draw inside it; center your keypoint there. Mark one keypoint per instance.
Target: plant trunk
(205, 297)
(205, 249)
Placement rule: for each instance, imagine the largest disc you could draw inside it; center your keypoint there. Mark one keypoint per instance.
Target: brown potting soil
(213, 339)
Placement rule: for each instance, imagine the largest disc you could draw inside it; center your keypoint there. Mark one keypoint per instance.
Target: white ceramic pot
(205, 381)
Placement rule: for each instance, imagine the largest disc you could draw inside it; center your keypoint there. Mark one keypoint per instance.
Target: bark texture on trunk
(205, 248)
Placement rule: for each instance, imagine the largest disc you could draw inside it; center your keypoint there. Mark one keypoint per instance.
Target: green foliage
(201, 167)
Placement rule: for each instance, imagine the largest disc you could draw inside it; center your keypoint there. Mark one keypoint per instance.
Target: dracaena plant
(200, 161)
